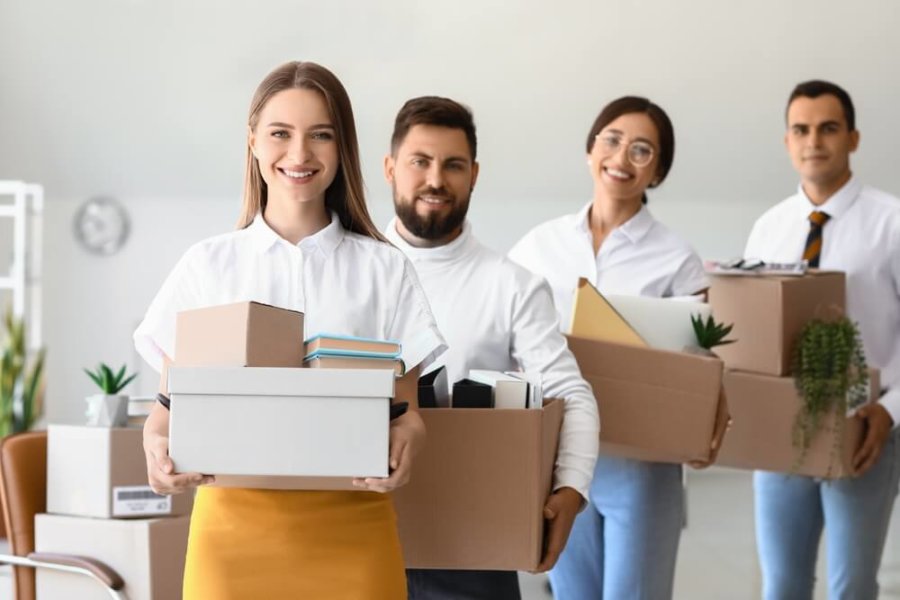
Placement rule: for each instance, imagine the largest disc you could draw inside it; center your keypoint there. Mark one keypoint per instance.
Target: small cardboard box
(148, 553)
(477, 489)
(654, 405)
(279, 422)
(102, 472)
(244, 334)
(763, 409)
(768, 315)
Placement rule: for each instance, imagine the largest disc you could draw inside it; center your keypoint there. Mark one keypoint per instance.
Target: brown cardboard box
(244, 334)
(477, 489)
(768, 315)
(102, 472)
(763, 409)
(654, 404)
(148, 554)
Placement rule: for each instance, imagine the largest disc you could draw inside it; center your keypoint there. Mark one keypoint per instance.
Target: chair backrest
(23, 492)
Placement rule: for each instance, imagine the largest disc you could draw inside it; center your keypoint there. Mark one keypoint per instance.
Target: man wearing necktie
(836, 223)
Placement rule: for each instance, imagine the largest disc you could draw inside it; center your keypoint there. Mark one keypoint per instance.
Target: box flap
(275, 381)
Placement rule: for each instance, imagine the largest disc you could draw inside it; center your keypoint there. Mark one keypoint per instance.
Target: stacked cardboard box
(769, 313)
(244, 409)
(101, 506)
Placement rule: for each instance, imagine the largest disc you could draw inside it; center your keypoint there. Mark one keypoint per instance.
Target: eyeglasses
(639, 153)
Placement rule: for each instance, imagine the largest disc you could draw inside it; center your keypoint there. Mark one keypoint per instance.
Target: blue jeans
(624, 543)
(791, 512)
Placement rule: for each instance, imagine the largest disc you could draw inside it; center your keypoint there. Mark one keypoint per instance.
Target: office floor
(717, 557)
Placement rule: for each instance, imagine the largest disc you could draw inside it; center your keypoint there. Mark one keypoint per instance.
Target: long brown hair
(345, 195)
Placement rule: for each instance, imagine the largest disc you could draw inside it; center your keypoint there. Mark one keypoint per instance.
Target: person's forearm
(157, 422)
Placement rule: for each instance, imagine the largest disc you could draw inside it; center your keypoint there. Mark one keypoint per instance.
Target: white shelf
(7, 210)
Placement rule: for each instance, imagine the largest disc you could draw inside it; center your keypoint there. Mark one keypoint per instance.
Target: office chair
(23, 493)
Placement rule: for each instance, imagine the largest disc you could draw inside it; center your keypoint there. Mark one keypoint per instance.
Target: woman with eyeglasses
(624, 543)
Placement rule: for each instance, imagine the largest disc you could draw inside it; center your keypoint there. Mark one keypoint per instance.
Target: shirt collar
(447, 252)
(634, 228)
(326, 239)
(839, 202)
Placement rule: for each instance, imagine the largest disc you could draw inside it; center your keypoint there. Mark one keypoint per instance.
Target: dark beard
(434, 226)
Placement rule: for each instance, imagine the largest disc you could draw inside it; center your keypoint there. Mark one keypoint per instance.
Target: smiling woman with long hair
(305, 242)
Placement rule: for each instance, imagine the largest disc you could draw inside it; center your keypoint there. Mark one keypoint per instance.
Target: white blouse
(343, 282)
(641, 257)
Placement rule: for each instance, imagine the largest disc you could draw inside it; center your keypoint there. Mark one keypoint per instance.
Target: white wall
(146, 100)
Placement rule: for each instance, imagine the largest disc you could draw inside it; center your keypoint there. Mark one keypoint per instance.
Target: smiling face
(432, 175)
(819, 140)
(616, 148)
(294, 143)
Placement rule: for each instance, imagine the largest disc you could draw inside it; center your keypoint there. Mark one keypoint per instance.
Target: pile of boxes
(99, 505)
(769, 313)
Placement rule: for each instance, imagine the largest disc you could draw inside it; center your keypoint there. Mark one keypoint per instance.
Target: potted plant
(831, 376)
(109, 409)
(709, 334)
(20, 387)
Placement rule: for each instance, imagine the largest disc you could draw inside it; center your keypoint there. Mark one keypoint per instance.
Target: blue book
(328, 344)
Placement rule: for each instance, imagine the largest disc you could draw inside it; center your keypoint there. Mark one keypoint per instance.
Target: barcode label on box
(139, 500)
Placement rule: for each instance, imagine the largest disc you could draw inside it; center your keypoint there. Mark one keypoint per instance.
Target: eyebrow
(449, 159)
(641, 139)
(822, 124)
(289, 126)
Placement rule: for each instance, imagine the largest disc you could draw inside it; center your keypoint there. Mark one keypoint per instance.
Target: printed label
(139, 500)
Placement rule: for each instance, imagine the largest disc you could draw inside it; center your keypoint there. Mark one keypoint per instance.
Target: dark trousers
(437, 584)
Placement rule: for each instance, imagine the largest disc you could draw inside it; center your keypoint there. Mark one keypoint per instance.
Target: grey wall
(146, 100)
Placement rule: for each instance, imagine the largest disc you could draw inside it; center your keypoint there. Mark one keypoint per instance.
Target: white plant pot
(104, 410)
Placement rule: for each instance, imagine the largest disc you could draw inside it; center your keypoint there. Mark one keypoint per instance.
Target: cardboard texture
(654, 404)
(244, 334)
(763, 409)
(769, 313)
(477, 489)
(88, 467)
(148, 554)
(280, 422)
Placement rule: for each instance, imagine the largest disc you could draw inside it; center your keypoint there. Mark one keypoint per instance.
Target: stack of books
(329, 351)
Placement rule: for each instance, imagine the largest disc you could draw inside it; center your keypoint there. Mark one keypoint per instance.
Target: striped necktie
(817, 220)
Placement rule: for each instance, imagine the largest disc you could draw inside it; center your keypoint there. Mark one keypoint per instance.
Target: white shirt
(498, 316)
(641, 257)
(343, 282)
(862, 238)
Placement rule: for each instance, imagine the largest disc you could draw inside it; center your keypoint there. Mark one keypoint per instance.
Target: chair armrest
(99, 570)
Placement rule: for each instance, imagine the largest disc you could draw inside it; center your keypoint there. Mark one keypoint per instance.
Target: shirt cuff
(423, 349)
(891, 402)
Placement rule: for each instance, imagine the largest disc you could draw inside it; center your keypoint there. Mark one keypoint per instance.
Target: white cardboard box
(283, 422)
(102, 472)
(148, 554)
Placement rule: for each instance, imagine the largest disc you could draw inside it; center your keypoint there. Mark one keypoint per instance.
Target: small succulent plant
(709, 333)
(111, 383)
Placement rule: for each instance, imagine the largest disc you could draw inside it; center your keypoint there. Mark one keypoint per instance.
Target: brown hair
(816, 88)
(345, 195)
(434, 110)
(635, 104)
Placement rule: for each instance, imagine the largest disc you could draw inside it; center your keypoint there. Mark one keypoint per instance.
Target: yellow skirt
(273, 544)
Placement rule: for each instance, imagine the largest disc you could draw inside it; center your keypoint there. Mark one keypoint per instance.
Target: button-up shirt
(641, 257)
(861, 238)
(343, 282)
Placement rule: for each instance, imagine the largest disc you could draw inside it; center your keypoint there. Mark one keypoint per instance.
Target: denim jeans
(624, 543)
(855, 512)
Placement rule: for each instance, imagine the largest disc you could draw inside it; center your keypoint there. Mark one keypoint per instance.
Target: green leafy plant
(20, 388)
(110, 383)
(709, 333)
(831, 376)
